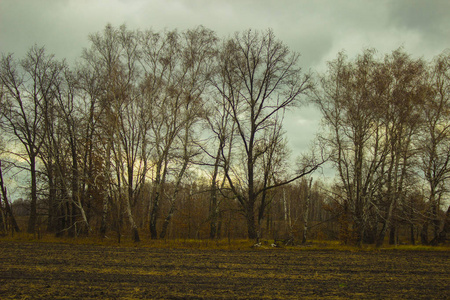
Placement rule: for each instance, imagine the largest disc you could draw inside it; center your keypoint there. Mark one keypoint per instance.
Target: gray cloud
(316, 29)
(428, 19)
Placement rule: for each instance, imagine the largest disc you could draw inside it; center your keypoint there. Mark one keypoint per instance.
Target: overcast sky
(317, 29)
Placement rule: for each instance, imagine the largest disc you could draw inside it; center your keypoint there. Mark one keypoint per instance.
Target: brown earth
(63, 271)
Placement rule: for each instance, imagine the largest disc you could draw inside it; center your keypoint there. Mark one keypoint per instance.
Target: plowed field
(62, 271)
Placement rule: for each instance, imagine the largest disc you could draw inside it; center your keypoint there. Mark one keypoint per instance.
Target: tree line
(180, 134)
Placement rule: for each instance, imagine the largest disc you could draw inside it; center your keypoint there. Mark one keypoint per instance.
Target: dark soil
(63, 271)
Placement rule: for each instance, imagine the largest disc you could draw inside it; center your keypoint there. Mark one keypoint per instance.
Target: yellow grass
(127, 242)
(205, 244)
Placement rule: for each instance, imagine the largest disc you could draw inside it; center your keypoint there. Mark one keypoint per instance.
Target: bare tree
(176, 71)
(197, 53)
(6, 213)
(347, 99)
(306, 211)
(160, 61)
(259, 78)
(95, 151)
(434, 141)
(29, 86)
(403, 93)
(113, 57)
(222, 127)
(368, 107)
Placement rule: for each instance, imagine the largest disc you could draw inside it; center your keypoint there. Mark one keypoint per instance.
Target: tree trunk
(386, 225)
(52, 204)
(213, 215)
(103, 224)
(424, 233)
(154, 216)
(344, 223)
(214, 207)
(392, 232)
(33, 204)
(155, 198)
(442, 236)
(73, 220)
(251, 226)
(412, 238)
(8, 209)
(76, 197)
(287, 217)
(134, 229)
(177, 188)
(107, 195)
(130, 199)
(435, 219)
(306, 212)
(166, 223)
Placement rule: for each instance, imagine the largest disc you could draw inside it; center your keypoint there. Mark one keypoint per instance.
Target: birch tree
(368, 106)
(347, 101)
(401, 120)
(176, 71)
(434, 142)
(113, 56)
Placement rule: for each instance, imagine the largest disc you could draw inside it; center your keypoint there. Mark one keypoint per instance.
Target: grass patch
(127, 242)
(417, 248)
(224, 244)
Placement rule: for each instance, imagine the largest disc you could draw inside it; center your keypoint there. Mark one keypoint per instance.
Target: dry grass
(127, 242)
(220, 244)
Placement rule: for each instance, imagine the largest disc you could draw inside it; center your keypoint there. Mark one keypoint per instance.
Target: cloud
(428, 17)
(318, 30)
